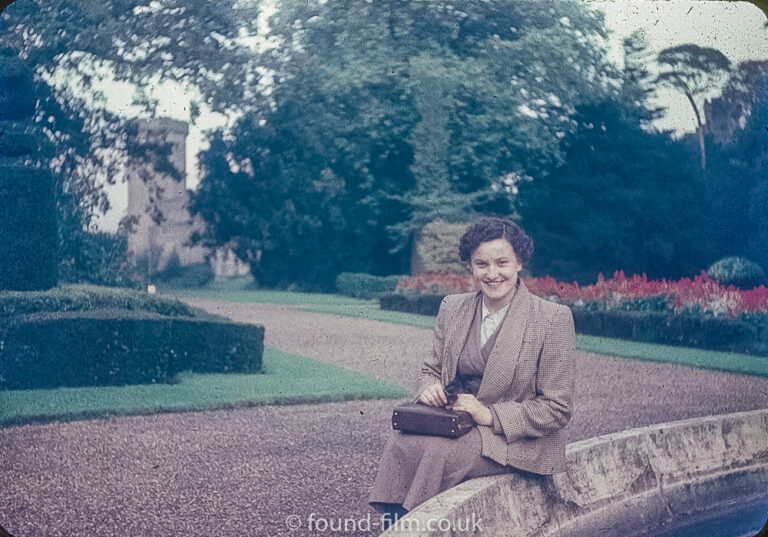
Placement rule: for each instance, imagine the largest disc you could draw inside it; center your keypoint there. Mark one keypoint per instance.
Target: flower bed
(698, 295)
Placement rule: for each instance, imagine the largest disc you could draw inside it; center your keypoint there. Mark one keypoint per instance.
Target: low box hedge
(700, 331)
(117, 347)
(84, 297)
(411, 303)
(365, 286)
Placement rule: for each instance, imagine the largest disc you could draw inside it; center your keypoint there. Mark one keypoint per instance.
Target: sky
(737, 29)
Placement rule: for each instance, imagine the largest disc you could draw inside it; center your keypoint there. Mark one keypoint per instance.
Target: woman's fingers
(434, 396)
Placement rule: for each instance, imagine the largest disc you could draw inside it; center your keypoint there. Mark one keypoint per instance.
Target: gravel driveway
(253, 472)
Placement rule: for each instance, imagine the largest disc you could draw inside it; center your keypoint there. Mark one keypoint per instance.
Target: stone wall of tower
(149, 191)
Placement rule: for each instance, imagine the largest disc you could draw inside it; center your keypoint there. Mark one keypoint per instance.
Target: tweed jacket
(528, 379)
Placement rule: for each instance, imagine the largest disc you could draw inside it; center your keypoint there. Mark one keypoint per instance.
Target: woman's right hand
(434, 395)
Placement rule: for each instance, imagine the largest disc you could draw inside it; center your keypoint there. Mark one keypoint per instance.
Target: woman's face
(495, 268)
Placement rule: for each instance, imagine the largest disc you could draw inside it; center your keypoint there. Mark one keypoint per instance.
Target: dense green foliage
(615, 204)
(86, 145)
(365, 286)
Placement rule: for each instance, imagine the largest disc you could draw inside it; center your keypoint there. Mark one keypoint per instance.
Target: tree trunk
(699, 131)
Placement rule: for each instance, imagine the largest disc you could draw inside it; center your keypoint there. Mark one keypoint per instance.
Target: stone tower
(158, 242)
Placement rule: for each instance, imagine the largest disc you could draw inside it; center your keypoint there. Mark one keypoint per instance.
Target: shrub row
(115, 347)
(365, 286)
(411, 303)
(704, 331)
(747, 335)
(82, 297)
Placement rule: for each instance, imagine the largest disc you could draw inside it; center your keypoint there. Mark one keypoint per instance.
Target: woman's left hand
(469, 403)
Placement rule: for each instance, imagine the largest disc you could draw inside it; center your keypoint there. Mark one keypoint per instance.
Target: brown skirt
(415, 467)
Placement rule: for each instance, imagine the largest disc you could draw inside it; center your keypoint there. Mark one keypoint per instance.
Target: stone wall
(638, 482)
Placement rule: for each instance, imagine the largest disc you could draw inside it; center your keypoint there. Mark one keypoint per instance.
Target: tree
(694, 71)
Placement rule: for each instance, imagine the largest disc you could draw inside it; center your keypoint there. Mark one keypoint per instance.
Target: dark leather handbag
(430, 420)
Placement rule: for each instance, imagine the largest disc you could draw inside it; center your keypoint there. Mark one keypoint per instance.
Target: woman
(515, 353)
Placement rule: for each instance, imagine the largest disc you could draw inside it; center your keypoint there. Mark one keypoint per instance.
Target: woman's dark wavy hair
(488, 228)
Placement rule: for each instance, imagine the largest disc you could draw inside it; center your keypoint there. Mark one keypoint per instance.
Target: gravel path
(243, 472)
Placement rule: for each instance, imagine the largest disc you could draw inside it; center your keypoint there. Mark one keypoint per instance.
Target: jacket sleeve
(431, 369)
(550, 409)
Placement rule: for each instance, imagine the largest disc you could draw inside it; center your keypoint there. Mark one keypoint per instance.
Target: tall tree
(694, 71)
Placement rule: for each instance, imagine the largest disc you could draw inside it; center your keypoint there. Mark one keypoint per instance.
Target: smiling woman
(512, 354)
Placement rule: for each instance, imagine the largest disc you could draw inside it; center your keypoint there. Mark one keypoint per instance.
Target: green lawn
(369, 309)
(285, 379)
(730, 362)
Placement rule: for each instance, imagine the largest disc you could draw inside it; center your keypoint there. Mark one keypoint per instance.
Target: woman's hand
(434, 395)
(469, 403)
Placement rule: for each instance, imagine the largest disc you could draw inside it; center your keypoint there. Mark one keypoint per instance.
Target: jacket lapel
(500, 369)
(457, 333)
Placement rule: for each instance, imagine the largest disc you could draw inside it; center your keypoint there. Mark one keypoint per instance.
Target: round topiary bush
(737, 271)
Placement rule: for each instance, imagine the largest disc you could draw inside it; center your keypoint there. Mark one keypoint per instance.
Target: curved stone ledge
(633, 483)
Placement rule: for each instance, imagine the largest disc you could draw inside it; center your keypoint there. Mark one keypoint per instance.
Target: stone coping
(632, 483)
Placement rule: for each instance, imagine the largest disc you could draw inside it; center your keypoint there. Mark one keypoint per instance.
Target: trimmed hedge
(116, 347)
(706, 332)
(746, 335)
(84, 297)
(421, 304)
(365, 286)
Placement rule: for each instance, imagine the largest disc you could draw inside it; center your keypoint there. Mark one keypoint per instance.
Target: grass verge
(285, 379)
(746, 364)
